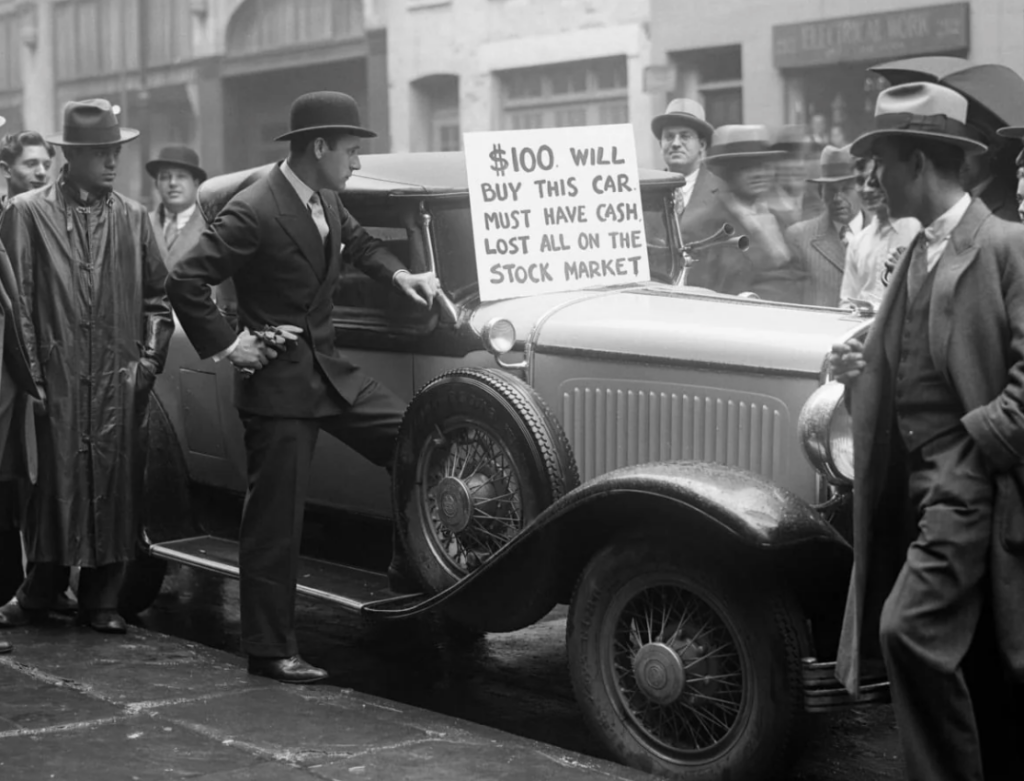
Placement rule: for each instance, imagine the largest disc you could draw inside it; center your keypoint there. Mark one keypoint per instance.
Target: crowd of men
(820, 230)
(917, 215)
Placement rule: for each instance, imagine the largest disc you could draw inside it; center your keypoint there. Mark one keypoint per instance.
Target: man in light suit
(820, 243)
(283, 241)
(936, 394)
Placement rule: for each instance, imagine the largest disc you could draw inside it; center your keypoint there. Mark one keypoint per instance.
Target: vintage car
(633, 452)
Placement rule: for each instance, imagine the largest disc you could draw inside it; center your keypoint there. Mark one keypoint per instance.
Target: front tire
(682, 667)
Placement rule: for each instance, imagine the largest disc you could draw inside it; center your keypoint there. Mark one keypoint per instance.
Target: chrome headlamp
(499, 336)
(826, 432)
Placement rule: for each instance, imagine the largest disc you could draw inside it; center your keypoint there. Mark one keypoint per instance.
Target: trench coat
(976, 332)
(94, 324)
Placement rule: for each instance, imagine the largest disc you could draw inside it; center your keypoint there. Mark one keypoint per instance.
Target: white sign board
(555, 209)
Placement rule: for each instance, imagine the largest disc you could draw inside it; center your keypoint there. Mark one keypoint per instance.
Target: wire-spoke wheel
(682, 667)
(479, 457)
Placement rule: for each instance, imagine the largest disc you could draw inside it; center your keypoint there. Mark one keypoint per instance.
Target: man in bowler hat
(177, 175)
(283, 241)
(92, 321)
(936, 394)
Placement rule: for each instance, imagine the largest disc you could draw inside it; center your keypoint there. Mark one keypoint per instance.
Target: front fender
(738, 517)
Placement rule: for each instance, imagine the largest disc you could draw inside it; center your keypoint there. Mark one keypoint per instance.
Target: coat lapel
(296, 222)
(828, 243)
(956, 259)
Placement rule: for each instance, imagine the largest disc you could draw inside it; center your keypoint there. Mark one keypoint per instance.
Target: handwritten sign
(555, 209)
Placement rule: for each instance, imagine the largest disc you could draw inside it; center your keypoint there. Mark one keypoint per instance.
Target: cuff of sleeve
(226, 351)
(988, 440)
(394, 277)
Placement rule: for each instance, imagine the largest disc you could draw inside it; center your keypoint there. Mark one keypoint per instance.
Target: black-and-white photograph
(511, 390)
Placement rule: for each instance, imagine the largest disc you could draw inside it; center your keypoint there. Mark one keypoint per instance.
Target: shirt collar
(854, 225)
(944, 225)
(303, 190)
(181, 218)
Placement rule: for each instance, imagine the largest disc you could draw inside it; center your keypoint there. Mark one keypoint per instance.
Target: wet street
(515, 682)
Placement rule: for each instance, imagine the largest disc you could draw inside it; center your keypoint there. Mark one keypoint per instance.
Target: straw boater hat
(325, 111)
(685, 112)
(836, 165)
(920, 110)
(741, 143)
(176, 157)
(91, 123)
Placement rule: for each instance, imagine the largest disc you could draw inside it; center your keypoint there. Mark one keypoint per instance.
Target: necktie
(844, 235)
(170, 229)
(316, 211)
(679, 198)
(918, 270)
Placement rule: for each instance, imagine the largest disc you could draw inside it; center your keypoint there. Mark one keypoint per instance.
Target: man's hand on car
(421, 288)
(846, 361)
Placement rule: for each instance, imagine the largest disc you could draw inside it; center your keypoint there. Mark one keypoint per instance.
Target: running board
(350, 588)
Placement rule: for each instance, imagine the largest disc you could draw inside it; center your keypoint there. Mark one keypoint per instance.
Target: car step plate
(350, 588)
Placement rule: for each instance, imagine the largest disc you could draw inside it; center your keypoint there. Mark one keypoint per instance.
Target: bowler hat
(322, 111)
(686, 112)
(920, 110)
(740, 143)
(176, 157)
(91, 123)
(836, 165)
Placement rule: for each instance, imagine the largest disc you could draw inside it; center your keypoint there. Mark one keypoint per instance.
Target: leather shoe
(65, 603)
(289, 669)
(13, 615)
(5, 647)
(107, 621)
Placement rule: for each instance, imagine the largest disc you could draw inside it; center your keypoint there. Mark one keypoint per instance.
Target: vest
(926, 406)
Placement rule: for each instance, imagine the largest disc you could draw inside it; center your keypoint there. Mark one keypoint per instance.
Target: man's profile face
(871, 195)
(1020, 193)
(337, 165)
(681, 147)
(94, 167)
(842, 200)
(30, 171)
(177, 188)
(894, 175)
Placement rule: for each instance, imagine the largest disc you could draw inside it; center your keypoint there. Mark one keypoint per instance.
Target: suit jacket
(976, 333)
(704, 196)
(265, 240)
(185, 239)
(822, 255)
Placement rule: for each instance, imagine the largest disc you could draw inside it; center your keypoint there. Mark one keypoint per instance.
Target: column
(210, 131)
(39, 108)
(377, 113)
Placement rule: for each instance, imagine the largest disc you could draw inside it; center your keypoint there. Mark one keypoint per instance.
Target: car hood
(665, 324)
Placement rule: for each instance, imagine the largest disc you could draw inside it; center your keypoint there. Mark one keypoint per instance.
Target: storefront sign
(555, 209)
(893, 35)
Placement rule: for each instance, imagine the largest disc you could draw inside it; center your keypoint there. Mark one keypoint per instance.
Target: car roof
(410, 173)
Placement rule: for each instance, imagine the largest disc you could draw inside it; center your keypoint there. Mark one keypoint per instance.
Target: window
(355, 290)
(716, 75)
(592, 92)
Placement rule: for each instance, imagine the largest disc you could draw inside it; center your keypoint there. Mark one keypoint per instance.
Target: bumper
(823, 693)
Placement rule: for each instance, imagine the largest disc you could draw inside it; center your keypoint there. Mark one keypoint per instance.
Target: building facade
(785, 61)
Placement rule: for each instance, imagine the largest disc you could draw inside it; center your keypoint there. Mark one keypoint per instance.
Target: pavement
(82, 706)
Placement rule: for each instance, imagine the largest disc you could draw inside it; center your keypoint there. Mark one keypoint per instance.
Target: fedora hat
(921, 110)
(792, 139)
(321, 111)
(91, 123)
(686, 112)
(836, 165)
(741, 143)
(176, 157)
(1013, 131)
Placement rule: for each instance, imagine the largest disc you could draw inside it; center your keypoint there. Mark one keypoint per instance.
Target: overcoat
(94, 324)
(976, 333)
(821, 253)
(265, 241)
(185, 240)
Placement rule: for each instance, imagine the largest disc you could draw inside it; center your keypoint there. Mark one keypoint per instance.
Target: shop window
(715, 77)
(592, 92)
(435, 113)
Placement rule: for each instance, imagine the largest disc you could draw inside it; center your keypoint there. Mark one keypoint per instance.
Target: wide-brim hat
(325, 111)
(793, 140)
(836, 165)
(1013, 131)
(685, 112)
(176, 157)
(921, 110)
(741, 144)
(91, 123)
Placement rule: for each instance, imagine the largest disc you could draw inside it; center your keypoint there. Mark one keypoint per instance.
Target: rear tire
(682, 667)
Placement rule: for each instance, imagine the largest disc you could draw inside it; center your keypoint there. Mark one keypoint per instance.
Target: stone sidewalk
(76, 705)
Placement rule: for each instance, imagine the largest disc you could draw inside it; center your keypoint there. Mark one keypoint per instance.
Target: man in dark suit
(820, 243)
(936, 395)
(176, 220)
(283, 241)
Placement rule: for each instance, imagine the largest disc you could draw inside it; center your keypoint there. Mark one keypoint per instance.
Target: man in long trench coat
(95, 325)
(936, 394)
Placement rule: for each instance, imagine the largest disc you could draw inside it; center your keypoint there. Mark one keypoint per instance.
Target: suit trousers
(931, 617)
(279, 453)
(98, 587)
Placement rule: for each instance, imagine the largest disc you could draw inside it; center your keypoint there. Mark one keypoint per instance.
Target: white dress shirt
(937, 234)
(181, 218)
(856, 225)
(866, 255)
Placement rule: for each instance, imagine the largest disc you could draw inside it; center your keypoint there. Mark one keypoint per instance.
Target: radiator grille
(615, 426)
